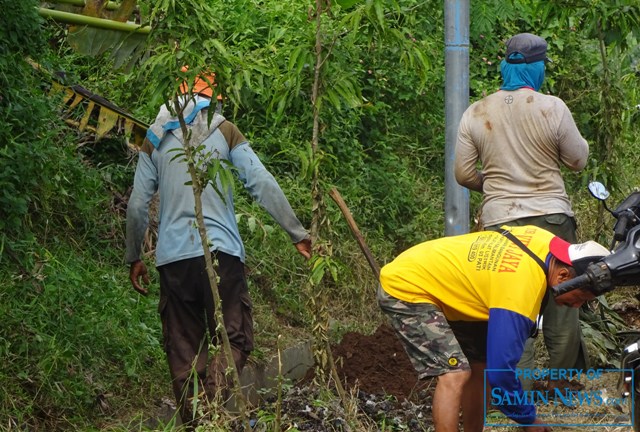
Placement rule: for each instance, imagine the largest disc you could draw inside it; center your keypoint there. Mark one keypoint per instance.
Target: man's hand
(304, 248)
(535, 427)
(139, 270)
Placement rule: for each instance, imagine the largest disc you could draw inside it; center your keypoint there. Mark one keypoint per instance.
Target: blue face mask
(518, 75)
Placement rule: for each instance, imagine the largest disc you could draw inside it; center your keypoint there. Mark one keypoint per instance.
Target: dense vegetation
(80, 349)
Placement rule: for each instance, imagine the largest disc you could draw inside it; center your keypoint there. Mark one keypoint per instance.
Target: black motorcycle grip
(575, 283)
(621, 226)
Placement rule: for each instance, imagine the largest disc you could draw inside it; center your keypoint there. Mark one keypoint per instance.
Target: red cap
(577, 255)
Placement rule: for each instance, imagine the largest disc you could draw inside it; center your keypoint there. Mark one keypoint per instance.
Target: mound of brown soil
(377, 364)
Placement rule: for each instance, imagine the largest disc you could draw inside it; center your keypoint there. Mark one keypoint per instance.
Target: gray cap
(533, 48)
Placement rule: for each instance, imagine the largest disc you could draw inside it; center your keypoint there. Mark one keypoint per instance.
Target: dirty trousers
(186, 311)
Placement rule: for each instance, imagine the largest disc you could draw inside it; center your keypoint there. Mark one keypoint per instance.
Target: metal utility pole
(456, 100)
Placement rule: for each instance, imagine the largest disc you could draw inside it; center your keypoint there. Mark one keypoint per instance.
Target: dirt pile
(389, 396)
(377, 364)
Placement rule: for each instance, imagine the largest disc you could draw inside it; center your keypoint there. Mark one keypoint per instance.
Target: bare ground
(383, 393)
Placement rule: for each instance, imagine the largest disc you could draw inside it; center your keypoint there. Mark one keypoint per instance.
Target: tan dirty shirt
(520, 137)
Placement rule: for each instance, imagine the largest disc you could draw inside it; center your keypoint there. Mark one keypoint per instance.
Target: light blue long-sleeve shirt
(159, 170)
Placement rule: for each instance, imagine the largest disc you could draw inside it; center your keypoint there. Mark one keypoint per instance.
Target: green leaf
(379, 9)
(317, 273)
(346, 4)
(219, 46)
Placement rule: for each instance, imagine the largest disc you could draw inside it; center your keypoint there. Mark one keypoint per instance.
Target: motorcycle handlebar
(620, 228)
(581, 281)
(597, 278)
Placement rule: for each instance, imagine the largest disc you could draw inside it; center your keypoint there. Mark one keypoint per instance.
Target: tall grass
(77, 344)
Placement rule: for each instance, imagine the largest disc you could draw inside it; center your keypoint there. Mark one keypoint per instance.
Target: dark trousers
(188, 326)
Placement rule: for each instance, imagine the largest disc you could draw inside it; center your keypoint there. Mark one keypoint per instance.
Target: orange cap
(203, 85)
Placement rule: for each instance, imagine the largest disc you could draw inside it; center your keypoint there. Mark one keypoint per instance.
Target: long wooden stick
(335, 195)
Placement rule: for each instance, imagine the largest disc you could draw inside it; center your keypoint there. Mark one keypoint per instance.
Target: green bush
(78, 345)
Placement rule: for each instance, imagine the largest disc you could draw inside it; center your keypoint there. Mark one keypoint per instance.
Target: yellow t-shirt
(469, 274)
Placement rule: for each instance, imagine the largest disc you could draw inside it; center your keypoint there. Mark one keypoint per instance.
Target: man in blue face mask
(524, 65)
(521, 138)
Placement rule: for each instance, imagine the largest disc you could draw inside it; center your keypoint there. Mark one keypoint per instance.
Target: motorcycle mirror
(598, 190)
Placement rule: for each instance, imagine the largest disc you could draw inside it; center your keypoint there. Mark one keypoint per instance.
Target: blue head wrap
(518, 75)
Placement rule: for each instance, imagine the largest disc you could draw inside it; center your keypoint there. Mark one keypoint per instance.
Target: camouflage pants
(426, 335)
